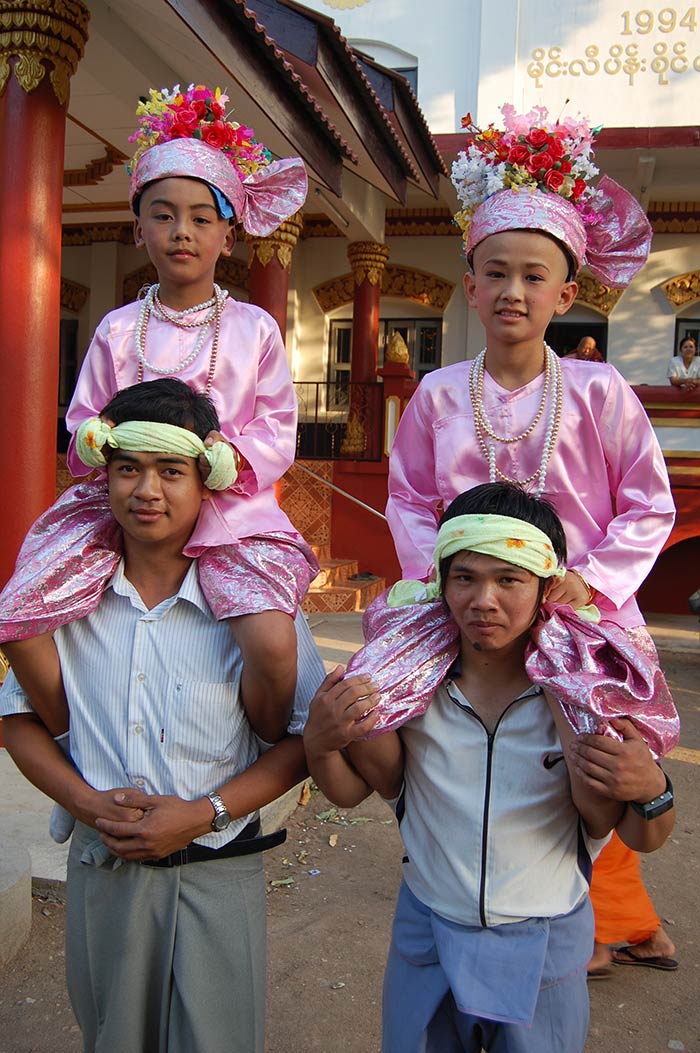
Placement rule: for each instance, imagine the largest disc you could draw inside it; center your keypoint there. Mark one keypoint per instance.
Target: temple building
(365, 281)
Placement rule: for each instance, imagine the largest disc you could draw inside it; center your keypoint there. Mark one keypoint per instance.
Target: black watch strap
(656, 807)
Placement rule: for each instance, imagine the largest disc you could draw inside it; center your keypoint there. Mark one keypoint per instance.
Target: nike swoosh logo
(551, 759)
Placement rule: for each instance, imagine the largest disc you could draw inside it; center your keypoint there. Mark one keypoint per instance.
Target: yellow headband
(148, 437)
(502, 537)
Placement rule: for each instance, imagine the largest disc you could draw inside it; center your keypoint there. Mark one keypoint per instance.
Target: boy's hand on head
(338, 714)
(569, 589)
(214, 437)
(622, 771)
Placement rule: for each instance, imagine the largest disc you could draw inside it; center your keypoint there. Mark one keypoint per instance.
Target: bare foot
(658, 945)
(602, 957)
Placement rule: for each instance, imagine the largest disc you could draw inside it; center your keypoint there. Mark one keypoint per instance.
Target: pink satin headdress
(188, 132)
(536, 174)
(614, 243)
(261, 201)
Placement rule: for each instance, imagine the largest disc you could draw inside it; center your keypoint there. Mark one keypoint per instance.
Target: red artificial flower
(553, 180)
(179, 130)
(579, 187)
(536, 162)
(185, 117)
(518, 155)
(555, 148)
(538, 137)
(565, 167)
(217, 134)
(200, 108)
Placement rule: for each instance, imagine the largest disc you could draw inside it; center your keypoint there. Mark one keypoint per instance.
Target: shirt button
(138, 729)
(140, 782)
(141, 677)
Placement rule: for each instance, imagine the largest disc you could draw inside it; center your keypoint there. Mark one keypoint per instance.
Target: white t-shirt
(677, 368)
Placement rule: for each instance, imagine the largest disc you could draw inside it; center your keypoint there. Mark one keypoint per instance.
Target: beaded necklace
(487, 437)
(151, 304)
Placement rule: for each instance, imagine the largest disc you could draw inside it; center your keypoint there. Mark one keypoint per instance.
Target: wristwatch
(222, 816)
(656, 807)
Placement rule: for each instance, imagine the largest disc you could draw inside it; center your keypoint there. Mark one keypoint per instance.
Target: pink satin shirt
(252, 391)
(606, 479)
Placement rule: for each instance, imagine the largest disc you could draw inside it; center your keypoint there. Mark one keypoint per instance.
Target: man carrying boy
(501, 809)
(165, 924)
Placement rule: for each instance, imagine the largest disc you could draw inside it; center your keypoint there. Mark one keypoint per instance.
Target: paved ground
(331, 893)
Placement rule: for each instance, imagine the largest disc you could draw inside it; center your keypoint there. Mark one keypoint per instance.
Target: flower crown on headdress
(196, 113)
(531, 153)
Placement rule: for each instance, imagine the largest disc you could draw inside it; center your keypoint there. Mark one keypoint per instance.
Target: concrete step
(335, 572)
(352, 595)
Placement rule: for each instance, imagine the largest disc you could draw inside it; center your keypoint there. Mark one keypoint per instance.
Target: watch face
(221, 821)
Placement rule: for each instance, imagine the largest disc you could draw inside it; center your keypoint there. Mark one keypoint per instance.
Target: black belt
(244, 844)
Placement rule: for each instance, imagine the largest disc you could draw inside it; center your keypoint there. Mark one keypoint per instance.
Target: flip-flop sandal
(604, 972)
(626, 956)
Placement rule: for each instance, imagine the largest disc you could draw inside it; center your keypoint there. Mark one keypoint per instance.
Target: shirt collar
(190, 590)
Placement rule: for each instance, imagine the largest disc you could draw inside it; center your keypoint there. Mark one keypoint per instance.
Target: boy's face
(182, 231)
(155, 497)
(518, 285)
(493, 602)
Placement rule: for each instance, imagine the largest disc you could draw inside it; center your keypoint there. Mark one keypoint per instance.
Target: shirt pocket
(202, 720)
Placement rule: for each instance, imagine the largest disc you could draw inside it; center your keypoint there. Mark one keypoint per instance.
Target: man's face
(155, 497)
(493, 602)
(518, 285)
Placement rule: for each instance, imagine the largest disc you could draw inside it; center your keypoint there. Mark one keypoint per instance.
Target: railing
(340, 420)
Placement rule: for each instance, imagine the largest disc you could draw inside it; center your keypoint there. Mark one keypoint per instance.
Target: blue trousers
(420, 1014)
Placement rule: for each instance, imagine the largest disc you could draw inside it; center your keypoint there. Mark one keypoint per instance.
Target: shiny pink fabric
(407, 652)
(596, 671)
(66, 558)
(252, 391)
(606, 478)
(614, 241)
(271, 573)
(261, 201)
(73, 549)
(257, 406)
(528, 210)
(601, 671)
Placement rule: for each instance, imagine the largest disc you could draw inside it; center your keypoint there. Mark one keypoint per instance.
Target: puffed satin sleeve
(267, 439)
(413, 494)
(96, 385)
(644, 507)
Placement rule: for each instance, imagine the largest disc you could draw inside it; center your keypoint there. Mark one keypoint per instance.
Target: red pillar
(269, 261)
(33, 101)
(367, 259)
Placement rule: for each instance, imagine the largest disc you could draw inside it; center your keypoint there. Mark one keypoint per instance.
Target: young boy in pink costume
(193, 174)
(570, 431)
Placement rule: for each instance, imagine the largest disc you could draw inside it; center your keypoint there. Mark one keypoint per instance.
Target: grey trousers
(166, 960)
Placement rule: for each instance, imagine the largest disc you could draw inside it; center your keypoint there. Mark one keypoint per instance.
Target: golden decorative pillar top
(367, 259)
(683, 289)
(41, 33)
(594, 294)
(397, 349)
(280, 243)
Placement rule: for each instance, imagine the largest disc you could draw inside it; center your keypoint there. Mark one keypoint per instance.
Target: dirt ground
(331, 892)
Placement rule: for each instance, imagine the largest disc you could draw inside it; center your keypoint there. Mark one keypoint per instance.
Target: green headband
(142, 436)
(502, 537)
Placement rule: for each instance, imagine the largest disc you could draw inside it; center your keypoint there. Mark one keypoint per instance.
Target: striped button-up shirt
(154, 695)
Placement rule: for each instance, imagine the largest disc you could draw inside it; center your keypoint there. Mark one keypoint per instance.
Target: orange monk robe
(623, 911)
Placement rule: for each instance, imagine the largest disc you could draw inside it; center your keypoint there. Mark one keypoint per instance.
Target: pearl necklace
(551, 392)
(151, 304)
